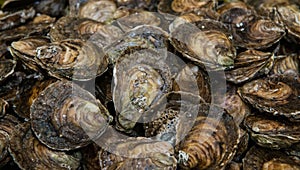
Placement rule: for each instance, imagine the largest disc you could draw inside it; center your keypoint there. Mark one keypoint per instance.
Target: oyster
(278, 95)
(216, 53)
(250, 64)
(140, 79)
(271, 132)
(7, 67)
(171, 118)
(286, 63)
(10, 20)
(30, 153)
(7, 126)
(212, 141)
(183, 6)
(260, 158)
(65, 116)
(141, 37)
(101, 11)
(72, 59)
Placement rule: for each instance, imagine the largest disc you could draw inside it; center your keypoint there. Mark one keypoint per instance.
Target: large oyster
(65, 116)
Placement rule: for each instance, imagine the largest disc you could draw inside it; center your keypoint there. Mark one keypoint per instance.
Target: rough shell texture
(64, 116)
(6, 68)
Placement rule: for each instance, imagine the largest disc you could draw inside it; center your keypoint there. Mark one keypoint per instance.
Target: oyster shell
(271, 132)
(65, 116)
(278, 95)
(212, 142)
(7, 67)
(260, 158)
(249, 65)
(30, 153)
(140, 79)
(72, 59)
(286, 63)
(216, 53)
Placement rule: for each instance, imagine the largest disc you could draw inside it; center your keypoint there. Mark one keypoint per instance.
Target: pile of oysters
(150, 84)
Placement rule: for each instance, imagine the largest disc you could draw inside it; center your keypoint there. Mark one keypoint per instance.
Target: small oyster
(140, 37)
(278, 95)
(65, 116)
(216, 53)
(172, 116)
(30, 153)
(212, 142)
(101, 11)
(73, 59)
(7, 67)
(11, 20)
(271, 132)
(250, 64)
(286, 63)
(140, 79)
(266, 159)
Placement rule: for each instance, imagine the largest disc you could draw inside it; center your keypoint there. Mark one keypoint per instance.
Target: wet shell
(260, 158)
(278, 95)
(271, 132)
(10, 20)
(65, 116)
(30, 153)
(101, 11)
(140, 79)
(171, 118)
(73, 59)
(7, 67)
(141, 37)
(216, 53)
(250, 64)
(212, 141)
(25, 50)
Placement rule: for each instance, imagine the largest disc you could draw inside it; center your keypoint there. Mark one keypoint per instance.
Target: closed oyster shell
(65, 116)
(216, 53)
(271, 132)
(73, 59)
(212, 142)
(30, 153)
(260, 158)
(278, 95)
(249, 65)
(140, 79)
(286, 63)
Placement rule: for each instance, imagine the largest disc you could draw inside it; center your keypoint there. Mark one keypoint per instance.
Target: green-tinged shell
(7, 67)
(140, 37)
(212, 141)
(266, 159)
(272, 132)
(140, 79)
(172, 117)
(64, 116)
(73, 59)
(25, 50)
(29, 153)
(278, 94)
(11, 20)
(249, 65)
(216, 53)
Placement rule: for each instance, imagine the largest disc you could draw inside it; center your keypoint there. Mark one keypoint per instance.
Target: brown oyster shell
(272, 132)
(278, 95)
(7, 67)
(260, 158)
(216, 53)
(212, 142)
(29, 153)
(65, 116)
(73, 59)
(249, 65)
(140, 79)
(286, 63)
